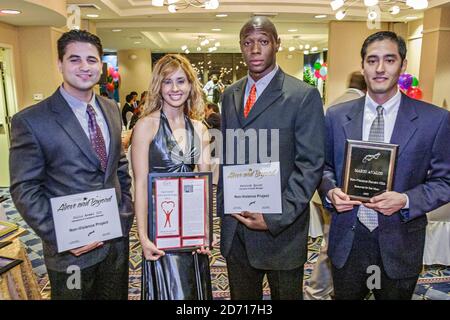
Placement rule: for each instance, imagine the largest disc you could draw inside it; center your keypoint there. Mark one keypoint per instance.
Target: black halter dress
(180, 275)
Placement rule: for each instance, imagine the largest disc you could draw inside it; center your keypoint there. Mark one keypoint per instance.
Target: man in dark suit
(127, 110)
(379, 245)
(268, 101)
(70, 143)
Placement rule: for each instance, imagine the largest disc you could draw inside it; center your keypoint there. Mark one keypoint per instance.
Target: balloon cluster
(409, 84)
(112, 80)
(321, 70)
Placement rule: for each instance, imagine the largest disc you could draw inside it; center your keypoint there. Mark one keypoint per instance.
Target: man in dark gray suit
(70, 143)
(268, 100)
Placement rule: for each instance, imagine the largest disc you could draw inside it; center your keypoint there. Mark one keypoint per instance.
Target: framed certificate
(369, 168)
(7, 228)
(8, 263)
(180, 210)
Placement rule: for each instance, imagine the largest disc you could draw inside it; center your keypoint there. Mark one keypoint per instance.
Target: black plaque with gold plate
(369, 168)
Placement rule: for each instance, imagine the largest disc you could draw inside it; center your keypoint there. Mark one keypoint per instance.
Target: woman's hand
(151, 252)
(202, 250)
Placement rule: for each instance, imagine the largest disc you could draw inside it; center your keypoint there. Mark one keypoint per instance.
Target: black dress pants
(246, 282)
(351, 281)
(106, 280)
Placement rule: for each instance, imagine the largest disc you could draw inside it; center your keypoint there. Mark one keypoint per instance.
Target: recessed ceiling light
(221, 15)
(116, 30)
(216, 29)
(410, 17)
(92, 15)
(320, 16)
(293, 30)
(10, 11)
(137, 42)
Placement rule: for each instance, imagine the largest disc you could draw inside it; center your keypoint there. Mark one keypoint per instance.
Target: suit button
(353, 227)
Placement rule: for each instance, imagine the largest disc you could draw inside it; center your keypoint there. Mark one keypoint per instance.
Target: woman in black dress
(169, 137)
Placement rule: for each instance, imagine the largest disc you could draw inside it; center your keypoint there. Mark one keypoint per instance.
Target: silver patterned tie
(369, 217)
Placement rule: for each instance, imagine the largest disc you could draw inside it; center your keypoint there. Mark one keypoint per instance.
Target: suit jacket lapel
(404, 127)
(69, 123)
(238, 96)
(353, 128)
(267, 98)
(114, 131)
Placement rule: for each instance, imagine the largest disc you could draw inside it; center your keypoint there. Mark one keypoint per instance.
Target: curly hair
(194, 106)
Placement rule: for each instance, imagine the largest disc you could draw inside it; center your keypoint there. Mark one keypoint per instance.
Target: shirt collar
(75, 103)
(389, 106)
(264, 81)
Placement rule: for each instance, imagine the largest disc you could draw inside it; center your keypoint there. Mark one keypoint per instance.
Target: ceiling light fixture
(375, 7)
(92, 15)
(10, 11)
(175, 5)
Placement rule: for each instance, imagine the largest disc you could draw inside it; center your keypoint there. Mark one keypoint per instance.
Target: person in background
(68, 144)
(127, 110)
(209, 87)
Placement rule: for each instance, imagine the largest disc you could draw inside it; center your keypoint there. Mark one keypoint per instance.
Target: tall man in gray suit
(70, 143)
(269, 100)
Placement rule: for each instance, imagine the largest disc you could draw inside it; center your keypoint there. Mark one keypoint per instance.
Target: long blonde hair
(194, 107)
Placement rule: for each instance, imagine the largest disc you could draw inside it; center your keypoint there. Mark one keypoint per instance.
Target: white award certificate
(167, 213)
(193, 211)
(253, 187)
(84, 218)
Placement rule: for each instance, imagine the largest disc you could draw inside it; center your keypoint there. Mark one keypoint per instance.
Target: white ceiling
(161, 31)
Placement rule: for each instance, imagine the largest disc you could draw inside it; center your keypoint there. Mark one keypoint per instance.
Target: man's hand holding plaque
(341, 201)
(387, 203)
(252, 220)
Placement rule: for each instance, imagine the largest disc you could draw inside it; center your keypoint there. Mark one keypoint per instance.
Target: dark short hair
(261, 23)
(133, 93)
(129, 97)
(357, 81)
(384, 35)
(78, 36)
(214, 107)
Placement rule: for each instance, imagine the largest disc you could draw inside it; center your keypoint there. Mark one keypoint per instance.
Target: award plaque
(180, 210)
(369, 168)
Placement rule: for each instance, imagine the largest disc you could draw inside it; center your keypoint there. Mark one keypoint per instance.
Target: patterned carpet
(433, 284)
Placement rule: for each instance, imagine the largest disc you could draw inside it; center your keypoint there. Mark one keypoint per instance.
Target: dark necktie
(96, 137)
(369, 217)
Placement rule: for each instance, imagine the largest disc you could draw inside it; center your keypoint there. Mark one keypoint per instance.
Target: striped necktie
(369, 217)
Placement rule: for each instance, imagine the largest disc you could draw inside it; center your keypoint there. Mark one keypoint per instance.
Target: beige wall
(435, 62)
(38, 56)
(291, 63)
(9, 37)
(414, 43)
(135, 74)
(344, 45)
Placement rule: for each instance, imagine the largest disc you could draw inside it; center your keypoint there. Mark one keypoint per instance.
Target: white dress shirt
(79, 109)
(390, 116)
(261, 84)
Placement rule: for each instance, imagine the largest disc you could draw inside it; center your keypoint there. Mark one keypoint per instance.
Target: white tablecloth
(437, 242)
